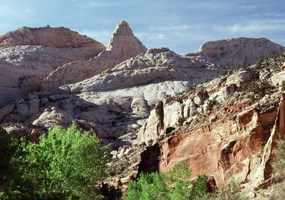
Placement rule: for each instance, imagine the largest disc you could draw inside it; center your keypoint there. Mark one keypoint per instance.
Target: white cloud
(256, 26)
(150, 36)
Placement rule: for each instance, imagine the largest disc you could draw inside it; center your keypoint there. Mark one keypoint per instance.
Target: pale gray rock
(240, 78)
(154, 66)
(122, 46)
(237, 51)
(28, 55)
(278, 78)
(51, 117)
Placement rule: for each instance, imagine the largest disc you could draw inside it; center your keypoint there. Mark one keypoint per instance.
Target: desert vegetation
(66, 164)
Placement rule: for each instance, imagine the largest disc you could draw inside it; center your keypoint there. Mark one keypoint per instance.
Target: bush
(173, 185)
(259, 87)
(148, 186)
(181, 120)
(279, 161)
(211, 103)
(230, 191)
(66, 164)
(283, 85)
(279, 167)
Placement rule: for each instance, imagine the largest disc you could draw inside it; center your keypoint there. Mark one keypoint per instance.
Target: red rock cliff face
(239, 149)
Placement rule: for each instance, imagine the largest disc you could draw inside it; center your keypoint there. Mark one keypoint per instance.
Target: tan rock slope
(122, 46)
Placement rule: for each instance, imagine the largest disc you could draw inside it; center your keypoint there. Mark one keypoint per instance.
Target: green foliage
(230, 191)
(279, 161)
(148, 187)
(181, 120)
(279, 168)
(9, 181)
(259, 87)
(174, 185)
(283, 85)
(66, 164)
(211, 103)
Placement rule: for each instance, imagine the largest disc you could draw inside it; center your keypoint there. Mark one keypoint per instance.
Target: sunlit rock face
(238, 51)
(123, 45)
(28, 55)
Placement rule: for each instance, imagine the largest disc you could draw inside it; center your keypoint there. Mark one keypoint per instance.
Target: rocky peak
(124, 41)
(123, 28)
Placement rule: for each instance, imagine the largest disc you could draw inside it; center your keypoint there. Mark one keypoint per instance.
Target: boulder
(52, 117)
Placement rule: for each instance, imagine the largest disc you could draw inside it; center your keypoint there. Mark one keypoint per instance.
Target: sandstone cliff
(230, 133)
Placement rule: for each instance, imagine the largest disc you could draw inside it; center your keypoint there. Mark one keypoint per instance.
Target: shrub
(279, 167)
(259, 87)
(283, 85)
(66, 164)
(173, 185)
(230, 191)
(211, 103)
(181, 120)
(148, 186)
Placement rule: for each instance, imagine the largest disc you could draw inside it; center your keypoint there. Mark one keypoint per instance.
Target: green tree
(66, 164)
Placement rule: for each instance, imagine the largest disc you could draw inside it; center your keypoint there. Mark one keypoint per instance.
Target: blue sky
(181, 25)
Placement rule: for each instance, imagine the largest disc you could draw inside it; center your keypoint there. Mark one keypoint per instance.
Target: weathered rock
(201, 96)
(240, 78)
(51, 117)
(28, 55)
(238, 51)
(151, 67)
(122, 46)
(219, 150)
(51, 37)
(278, 78)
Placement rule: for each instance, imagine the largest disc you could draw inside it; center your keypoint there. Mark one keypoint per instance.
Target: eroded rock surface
(28, 55)
(238, 51)
(122, 46)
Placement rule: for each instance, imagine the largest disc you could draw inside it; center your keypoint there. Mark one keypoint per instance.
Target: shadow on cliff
(150, 159)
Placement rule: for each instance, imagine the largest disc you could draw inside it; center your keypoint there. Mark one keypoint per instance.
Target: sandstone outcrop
(122, 46)
(52, 37)
(53, 116)
(154, 66)
(28, 55)
(232, 141)
(238, 51)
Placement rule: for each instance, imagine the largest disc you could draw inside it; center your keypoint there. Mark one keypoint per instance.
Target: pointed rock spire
(123, 28)
(124, 41)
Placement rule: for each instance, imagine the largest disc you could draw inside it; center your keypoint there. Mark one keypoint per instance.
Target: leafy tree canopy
(66, 164)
